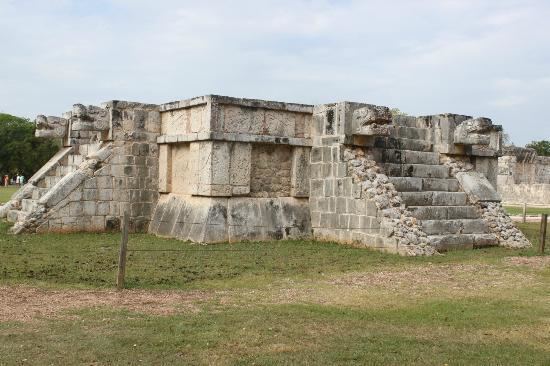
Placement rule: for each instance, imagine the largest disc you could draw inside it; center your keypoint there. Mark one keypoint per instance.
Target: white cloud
(427, 56)
(510, 101)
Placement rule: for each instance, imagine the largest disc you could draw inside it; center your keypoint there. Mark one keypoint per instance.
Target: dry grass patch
(532, 262)
(429, 278)
(22, 303)
(394, 287)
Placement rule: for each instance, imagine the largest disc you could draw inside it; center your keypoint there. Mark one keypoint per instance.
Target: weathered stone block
(421, 170)
(329, 187)
(280, 123)
(165, 168)
(300, 173)
(105, 194)
(103, 208)
(449, 199)
(341, 205)
(372, 210)
(89, 208)
(369, 115)
(407, 184)
(220, 160)
(327, 170)
(327, 154)
(317, 187)
(316, 155)
(477, 187)
(462, 212)
(435, 184)
(242, 119)
(315, 218)
(240, 167)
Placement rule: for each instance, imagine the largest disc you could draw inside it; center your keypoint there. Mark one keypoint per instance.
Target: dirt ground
(533, 262)
(24, 303)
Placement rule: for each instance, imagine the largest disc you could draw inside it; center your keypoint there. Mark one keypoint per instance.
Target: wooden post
(524, 212)
(122, 253)
(543, 224)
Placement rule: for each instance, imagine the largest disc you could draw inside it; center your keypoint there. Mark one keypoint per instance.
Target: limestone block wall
(233, 169)
(351, 200)
(524, 177)
(339, 210)
(205, 168)
(112, 167)
(532, 194)
(270, 170)
(389, 183)
(128, 180)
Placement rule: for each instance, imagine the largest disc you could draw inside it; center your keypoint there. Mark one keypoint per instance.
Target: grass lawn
(291, 302)
(532, 211)
(6, 192)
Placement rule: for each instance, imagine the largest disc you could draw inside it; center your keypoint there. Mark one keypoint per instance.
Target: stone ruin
(220, 169)
(524, 177)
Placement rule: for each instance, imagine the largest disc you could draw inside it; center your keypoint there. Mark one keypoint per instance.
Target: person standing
(17, 179)
(22, 179)
(6, 180)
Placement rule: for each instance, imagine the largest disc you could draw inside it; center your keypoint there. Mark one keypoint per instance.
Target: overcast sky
(482, 58)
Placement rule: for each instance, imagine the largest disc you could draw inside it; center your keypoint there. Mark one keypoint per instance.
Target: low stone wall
(534, 194)
(524, 177)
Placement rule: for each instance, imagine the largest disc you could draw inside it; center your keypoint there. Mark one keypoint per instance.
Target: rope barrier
(259, 250)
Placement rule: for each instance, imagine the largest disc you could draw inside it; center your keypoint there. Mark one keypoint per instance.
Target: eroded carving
(372, 121)
(90, 118)
(51, 127)
(475, 131)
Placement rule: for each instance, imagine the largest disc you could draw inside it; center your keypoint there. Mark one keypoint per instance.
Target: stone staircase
(58, 170)
(429, 192)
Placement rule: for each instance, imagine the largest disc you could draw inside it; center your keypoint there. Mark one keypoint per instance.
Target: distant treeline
(20, 151)
(542, 147)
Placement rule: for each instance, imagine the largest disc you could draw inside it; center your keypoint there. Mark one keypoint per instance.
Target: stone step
(413, 184)
(410, 157)
(448, 242)
(416, 170)
(415, 145)
(465, 226)
(443, 212)
(37, 193)
(412, 133)
(407, 121)
(434, 198)
(28, 205)
(16, 215)
(402, 144)
(440, 184)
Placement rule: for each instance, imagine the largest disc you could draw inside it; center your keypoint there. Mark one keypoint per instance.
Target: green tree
(20, 151)
(542, 147)
(397, 112)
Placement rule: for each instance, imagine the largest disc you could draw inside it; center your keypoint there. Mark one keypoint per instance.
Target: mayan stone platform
(233, 169)
(220, 169)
